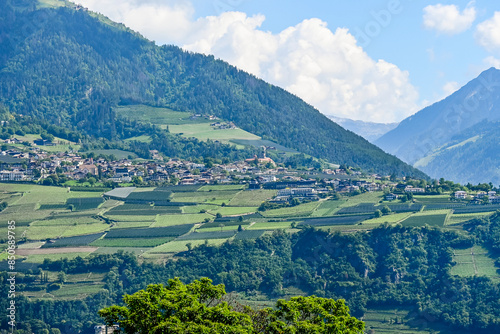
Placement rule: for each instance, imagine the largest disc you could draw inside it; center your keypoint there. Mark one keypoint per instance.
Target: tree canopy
(199, 307)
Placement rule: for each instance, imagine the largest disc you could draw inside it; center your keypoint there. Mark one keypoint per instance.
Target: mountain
(469, 157)
(456, 138)
(369, 130)
(62, 63)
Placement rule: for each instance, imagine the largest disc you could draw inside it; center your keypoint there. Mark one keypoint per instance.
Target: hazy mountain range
(368, 130)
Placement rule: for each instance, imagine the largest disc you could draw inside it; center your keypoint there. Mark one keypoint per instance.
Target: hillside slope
(456, 138)
(432, 127)
(71, 66)
(471, 156)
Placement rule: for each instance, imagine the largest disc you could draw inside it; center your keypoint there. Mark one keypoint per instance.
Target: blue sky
(367, 59)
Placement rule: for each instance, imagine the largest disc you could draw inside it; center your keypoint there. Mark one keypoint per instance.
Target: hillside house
(412, 189)
(391, 197)
(460, 194)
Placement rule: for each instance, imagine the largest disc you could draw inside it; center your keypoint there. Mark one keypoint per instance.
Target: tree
(311, 315)
(177, 308)
(386, 210)
(378, 213)
(199, 307)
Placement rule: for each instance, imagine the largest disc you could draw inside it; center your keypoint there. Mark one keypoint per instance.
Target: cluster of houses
(37, 165)
(479, 197)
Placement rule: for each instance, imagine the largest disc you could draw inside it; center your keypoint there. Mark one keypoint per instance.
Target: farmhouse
(461, 194)
(411, 189)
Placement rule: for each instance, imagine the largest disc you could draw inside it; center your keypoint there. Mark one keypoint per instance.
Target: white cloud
(492, 62)
(488, 33)
(450, 87)
(447, 19)
(327, 69)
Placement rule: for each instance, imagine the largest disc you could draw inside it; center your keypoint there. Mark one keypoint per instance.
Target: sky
(371, 60)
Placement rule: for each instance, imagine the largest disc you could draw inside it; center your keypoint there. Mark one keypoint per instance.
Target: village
(76, 169)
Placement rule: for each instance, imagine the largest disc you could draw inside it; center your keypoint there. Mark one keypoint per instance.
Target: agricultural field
(207, 235)
(301, 210)
(394, 321)
(131, 242)
(368, 197)
(270, 226)
(42, 232)
(86, 203)
(83, 240)
(212, 197)
(180, 245)
(338, 220)
(461, 218)
(474, 261)
(392, 218)
(428, 219)
(39, 258)
(477, 209)
(327, 208)
(142, 210)
(221, 187)
(180, 219)
(232, 211)
(154, 232)
(252, 197)
(362, 208)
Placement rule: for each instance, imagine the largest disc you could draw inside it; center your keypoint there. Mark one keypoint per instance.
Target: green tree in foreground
(198, 307)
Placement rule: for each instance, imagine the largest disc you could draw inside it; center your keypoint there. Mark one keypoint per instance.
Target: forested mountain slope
(71, 66)
(456, 138)
(420, 134)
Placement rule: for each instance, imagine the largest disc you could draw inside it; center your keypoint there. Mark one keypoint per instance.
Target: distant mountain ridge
(456, 138)
(369, 130)
(73, 66)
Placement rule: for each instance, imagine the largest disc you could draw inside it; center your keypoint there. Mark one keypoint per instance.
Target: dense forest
(71, 67)
(392, 266)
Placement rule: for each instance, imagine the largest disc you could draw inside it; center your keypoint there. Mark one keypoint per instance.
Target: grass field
(183, 123)
(154, 115)
(203, 131)
(474, 261)
(252, 197)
